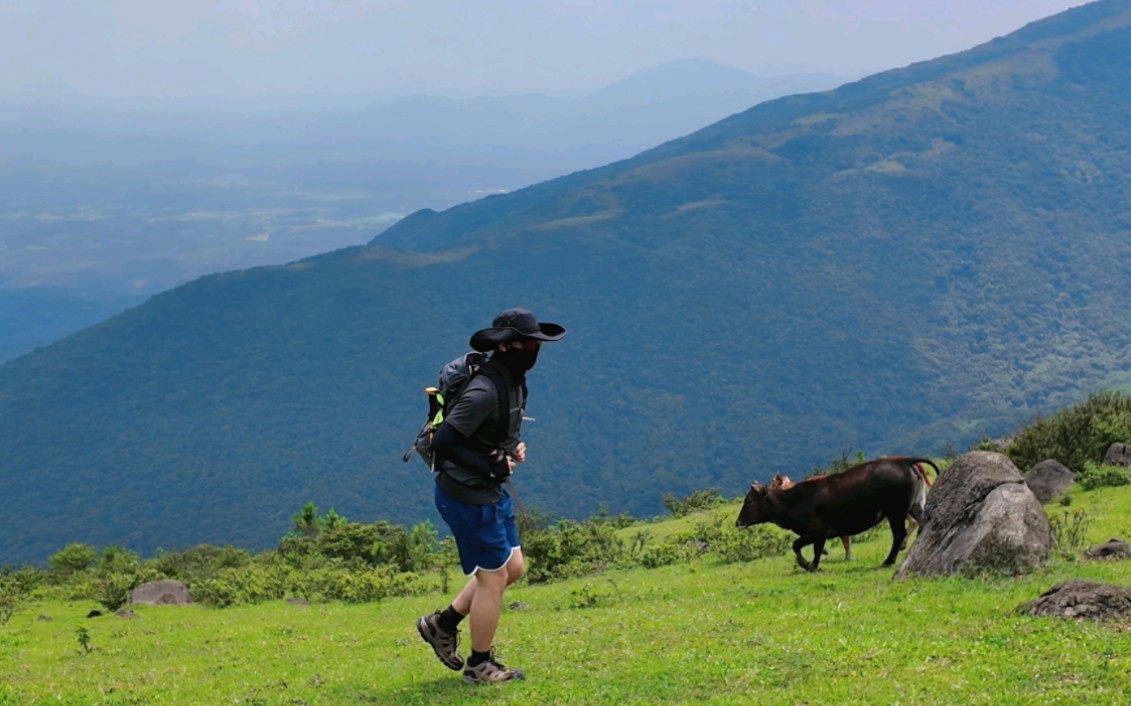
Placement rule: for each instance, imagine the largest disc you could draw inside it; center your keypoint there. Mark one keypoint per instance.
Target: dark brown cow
(781, 482)
(842, 504)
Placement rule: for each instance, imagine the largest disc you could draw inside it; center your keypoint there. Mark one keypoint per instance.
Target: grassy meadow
(762, 632)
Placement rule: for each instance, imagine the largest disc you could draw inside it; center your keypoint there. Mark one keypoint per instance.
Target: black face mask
(517, 360)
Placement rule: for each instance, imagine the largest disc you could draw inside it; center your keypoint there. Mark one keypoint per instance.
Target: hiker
(477, 448)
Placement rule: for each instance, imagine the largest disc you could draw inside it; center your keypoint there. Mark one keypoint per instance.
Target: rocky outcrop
(1111, 549)
(1081, 600)
(1049, 480)
(980, 517)
(1118, 455)
(164, 592)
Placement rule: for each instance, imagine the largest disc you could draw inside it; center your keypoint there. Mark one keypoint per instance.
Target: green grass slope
(702, 632)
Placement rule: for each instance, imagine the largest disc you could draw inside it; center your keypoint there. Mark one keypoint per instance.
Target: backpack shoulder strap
(500, 384)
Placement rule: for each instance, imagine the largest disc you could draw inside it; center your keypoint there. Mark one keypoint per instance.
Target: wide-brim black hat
(512, 325)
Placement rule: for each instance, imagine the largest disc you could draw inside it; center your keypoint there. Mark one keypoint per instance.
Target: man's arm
(451, 445)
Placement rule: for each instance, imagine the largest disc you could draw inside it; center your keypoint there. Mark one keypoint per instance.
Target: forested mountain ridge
(873, 125)
(914, 260)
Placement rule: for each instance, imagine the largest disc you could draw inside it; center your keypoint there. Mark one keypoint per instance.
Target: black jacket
(485, 420)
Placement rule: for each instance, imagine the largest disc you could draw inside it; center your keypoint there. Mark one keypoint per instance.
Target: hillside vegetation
(698, 631)
(902, 265)
(680, 609)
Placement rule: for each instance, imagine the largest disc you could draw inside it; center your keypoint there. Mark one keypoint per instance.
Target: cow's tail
(916, 464)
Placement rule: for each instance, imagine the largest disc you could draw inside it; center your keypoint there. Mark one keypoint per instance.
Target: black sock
(450, 619)
(478, 658)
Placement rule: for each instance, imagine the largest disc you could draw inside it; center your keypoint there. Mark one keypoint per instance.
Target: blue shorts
(486, 535)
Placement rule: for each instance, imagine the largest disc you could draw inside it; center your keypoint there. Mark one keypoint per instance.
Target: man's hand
(520, 452)
(502, 463)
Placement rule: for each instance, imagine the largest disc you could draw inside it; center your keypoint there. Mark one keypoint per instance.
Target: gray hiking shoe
(445, 644)
(491, 672)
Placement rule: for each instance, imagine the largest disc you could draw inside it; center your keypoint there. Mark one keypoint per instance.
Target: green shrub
(379, 543)
(20, 581)
(705, 532)
(1074, 435)
(616, 521)
(840, 465)
(78, 588)
(1114, 423)
(532, 519)
(571, 548)
(446, 563)
(718, 535)
(9, 603)
(112, 590)
(115, 559)
(331, 582)
(200, 562)
(218, 593)
(253, 583)
(307, 523)
(335, 540)
(760, 541)
(699, 500)
(1099, 475)
(667, 553)
(72, 559)
(1069, 529)
(12, 593)
(423, 547)
(82, 636)
(117, 572)
(340, 584)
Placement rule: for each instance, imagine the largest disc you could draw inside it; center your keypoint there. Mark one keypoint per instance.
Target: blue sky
(253, 48)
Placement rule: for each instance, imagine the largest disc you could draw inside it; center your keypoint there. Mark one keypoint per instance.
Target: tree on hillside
(72, 559)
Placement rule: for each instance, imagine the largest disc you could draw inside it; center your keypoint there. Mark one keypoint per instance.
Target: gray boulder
(1111, 549)
(164, 592)
(1078, 600)
(980, 517)
(1118, 455)
(1049, 480)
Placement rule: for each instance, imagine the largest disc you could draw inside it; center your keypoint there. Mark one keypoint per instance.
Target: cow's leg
(898, 534)
(915, 517)
(847, 542)
(912, 526)
(916, 511)
(818, 550)
(798, 544)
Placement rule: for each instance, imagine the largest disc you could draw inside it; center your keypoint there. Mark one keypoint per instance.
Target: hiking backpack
(453, 380)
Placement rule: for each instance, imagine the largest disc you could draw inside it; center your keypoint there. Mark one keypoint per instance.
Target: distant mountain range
(900, 265)
(114, 200)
